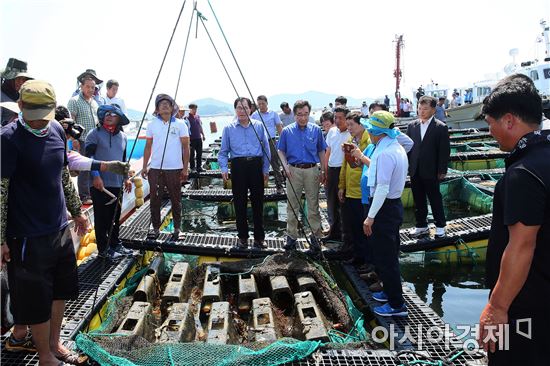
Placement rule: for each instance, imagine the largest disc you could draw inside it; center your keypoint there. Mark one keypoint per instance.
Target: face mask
(41, 132)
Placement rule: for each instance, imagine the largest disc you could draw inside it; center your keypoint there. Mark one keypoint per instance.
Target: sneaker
(153, 234)
(176, 235)
(122, 250)
(114, 255)
(440, 232)
(387, 310)
(242, 243)
(20, 345)
(380, 296)
(290, 244)
(419, 231)
(259, 244)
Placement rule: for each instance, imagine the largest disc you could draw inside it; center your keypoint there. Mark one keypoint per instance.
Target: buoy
(138, 182)
(139, 202)
(81, 253)
(92, 247)
(138, 192)
(85, 240)
(78, 262)
(91, 238)
(213, 127)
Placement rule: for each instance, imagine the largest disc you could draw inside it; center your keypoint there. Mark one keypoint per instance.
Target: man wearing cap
(274, 127)
(386, 180)
(83, 108)
(37, 243)
(286, 116)
(108, 142)
(301, 148)
(245, 143)
(196, 135)
(518, 252)
(13, 76)
(428, 161)
(167, 147)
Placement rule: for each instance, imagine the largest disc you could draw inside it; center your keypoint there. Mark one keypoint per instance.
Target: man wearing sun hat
(13, 76)
(37, 244)
(387, 175)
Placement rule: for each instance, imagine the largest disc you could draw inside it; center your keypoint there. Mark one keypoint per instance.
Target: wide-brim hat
(13, 67)
(161, 97)
(89, 73)
(103, 109)
(38, 100)
(12, 106)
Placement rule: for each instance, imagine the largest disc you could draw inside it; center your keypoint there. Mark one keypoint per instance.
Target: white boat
(468, 115)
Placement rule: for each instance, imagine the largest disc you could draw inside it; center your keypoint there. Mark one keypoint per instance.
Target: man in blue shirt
(245, 144)
(440, 110)
(301, 148)
(274, 126)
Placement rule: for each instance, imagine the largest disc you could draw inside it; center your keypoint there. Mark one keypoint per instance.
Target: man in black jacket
(428, 162)
(514, 324)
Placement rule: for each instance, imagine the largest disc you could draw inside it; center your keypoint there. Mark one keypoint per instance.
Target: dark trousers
(422, 188)
(246, 174)
(103, 216)
(385, 247)
(352, 223)
(275, 163)
(524, 350)
(333, 203)
(196, 153)
(171, 179)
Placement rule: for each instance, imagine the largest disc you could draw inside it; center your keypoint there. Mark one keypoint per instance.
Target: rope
(268, 156)
(121, 191)
(301, 209)
(447, 360)
(185, 48)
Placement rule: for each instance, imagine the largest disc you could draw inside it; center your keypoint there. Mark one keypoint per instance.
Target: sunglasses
(112, 114)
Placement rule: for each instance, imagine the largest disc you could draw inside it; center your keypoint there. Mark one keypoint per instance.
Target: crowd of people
(361, 160)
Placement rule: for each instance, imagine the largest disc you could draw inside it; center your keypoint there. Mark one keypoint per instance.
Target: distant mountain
(213, 107)
(134, 115)
(315, 98)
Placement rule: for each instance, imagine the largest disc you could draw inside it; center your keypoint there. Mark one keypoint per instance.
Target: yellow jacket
(350, 178)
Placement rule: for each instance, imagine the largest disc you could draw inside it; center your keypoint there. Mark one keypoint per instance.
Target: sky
(283, 46)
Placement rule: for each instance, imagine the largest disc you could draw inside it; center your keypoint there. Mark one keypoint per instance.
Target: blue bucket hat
(103, 109)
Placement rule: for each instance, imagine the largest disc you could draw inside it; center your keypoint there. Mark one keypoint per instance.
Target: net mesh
(109, 348)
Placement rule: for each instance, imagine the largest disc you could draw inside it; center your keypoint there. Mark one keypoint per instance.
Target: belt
(247, 158)
(393, 199)
(304, 166)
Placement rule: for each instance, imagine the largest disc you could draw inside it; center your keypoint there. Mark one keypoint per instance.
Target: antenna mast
(397, 73)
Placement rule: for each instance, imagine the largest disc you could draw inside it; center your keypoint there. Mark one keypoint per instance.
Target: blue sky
(342, 47)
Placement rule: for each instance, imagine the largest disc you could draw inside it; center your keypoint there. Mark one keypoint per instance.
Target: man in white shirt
(111, 98)
(274, 126)
(334, 157)
(286, 116)
(168, 148)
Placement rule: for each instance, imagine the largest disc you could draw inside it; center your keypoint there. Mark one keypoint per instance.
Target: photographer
(79, 162)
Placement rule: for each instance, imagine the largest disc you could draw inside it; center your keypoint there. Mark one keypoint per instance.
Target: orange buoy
(213, 127)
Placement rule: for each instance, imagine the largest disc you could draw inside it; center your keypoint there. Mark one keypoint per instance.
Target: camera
(72, 129)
